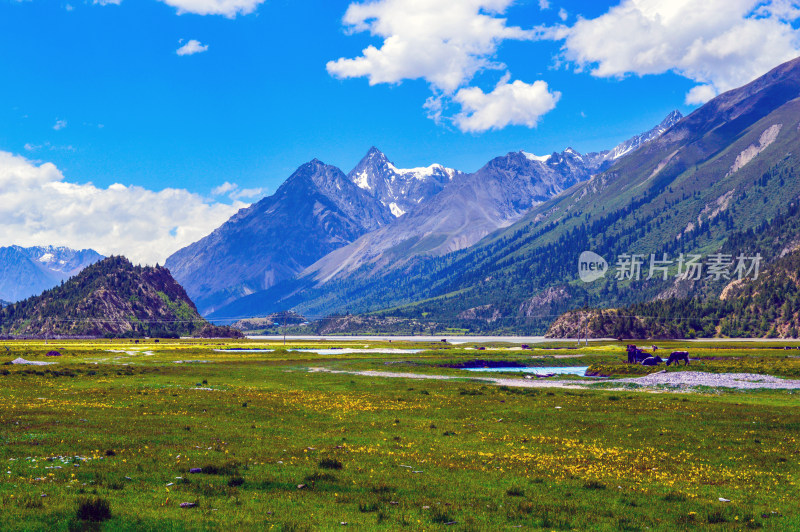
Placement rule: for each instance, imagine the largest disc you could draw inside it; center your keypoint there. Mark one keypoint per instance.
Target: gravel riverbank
(741, 381)
(683, 380)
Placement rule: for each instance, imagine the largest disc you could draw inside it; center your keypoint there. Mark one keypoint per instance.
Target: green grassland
(285, 448)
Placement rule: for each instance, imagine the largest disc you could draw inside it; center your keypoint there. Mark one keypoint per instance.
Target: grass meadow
(107, 437)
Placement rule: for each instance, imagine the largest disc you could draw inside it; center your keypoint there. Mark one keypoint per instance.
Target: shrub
(674, 496)
(594, 485)
(440, 517)
(515, 491)
(330, 463)
(235, 482)
(316, 476)
(95, 509)
(526, 507)
(716, 518)
(228, 468)
(367, 508)
(31, 502)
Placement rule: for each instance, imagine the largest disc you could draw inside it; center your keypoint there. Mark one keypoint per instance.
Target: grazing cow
(652, 361)
(655, 348)
(677, 356)
(636, 355)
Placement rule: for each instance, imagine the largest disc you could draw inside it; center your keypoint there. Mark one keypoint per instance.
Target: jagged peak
(312, 167)
(635, 142)
(314, 171)
(672, 117)
(374, 157)
(373, 151)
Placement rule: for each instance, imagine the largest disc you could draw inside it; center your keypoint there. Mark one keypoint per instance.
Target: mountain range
(29, 271)
(464, 212)
(497, 250)
(322, 224)
(727, 169)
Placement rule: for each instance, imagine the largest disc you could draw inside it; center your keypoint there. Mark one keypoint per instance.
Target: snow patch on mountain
(396, 211)
(362, 181)
(532, 157)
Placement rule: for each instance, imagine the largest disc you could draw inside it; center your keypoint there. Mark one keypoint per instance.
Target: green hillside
(767, 306)
(110, 298)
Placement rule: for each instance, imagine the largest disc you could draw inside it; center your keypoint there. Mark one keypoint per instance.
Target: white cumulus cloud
(227, 8)
(192, 47)
(721, 44)
(224, 188)
(234, 192)
(443, 42)
(515, 103)
(38, 207)
(700, 94)
(247, 193)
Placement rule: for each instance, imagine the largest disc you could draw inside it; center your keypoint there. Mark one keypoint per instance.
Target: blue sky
(95, 93)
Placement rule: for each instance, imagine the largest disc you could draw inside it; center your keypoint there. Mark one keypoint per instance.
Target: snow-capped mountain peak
(399, 189)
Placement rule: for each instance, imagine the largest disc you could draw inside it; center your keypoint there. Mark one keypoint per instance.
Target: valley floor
(295, 440)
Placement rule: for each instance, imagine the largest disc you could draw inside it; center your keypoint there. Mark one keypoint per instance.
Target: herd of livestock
(645, 358)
